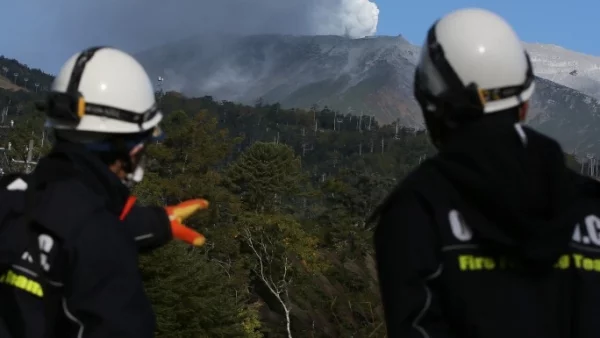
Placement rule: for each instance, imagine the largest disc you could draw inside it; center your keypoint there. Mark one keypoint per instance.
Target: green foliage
(264, 174)
(192, 299)
(355, 194)
(278, 233)
(283, 238)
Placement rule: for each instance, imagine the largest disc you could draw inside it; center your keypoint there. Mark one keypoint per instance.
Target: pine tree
(266, 174)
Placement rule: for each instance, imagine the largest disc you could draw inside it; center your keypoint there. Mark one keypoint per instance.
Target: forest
(289, 252)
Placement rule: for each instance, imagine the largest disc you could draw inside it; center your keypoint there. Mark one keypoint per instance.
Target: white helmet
(102, 90)
(472, 61)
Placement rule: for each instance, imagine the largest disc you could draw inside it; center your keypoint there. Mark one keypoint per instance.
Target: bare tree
(277, 283)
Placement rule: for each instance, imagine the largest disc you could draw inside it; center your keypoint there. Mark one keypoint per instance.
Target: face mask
(137, 173)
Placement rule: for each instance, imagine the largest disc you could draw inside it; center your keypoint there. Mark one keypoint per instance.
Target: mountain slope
(568, 115)
(7, 84)
(372, 75)
(568, 68)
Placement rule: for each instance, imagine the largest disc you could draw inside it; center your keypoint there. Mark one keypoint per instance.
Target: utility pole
(334, 117)
(5, 161)
(29, 163)
(338, 121)
(4, 114)
(360, 122)
(314, 111)
(335, 158)
(382, 144)
(303, 142)
(349, 111)
(159, 85)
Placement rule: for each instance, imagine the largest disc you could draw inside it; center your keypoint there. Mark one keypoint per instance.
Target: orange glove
(180, 212)
(177, 214)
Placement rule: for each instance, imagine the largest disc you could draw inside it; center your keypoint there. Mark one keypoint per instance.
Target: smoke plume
(45, 33)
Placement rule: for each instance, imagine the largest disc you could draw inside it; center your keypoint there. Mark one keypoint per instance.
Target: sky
(43, 33)
(572, 24)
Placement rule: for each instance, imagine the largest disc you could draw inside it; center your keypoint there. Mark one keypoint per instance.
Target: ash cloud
(45, 33)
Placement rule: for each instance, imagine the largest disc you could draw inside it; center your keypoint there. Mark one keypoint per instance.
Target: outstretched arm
(153, 227)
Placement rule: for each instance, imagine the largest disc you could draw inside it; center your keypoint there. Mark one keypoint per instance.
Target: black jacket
(93, 286)
(492, 237)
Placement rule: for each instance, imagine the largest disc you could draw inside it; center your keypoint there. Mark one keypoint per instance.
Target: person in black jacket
(77, 275)
(493, 236)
